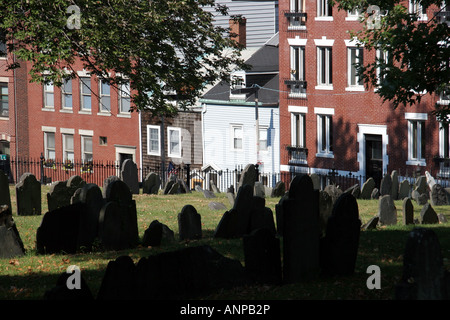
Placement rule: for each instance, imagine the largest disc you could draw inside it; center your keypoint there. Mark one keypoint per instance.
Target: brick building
(328, 120)
(86, 119)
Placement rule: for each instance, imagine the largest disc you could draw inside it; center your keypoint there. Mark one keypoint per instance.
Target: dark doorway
(374, 157)
(123, 157)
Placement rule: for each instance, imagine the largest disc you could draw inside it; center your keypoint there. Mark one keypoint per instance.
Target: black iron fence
(48, 171)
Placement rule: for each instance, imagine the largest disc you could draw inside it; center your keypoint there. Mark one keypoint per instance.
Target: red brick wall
(350, 108)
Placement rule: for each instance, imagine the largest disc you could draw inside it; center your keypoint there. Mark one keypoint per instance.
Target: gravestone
(62, 292)
(189, 223)
(151, 183)
(259, 190)
(75, 182)
(58, 195)
(157, 234)
(279, 189)
(442, 218)
(119, 280)
(375, 194)
(354, 190)
(279, 213)
(129, 175)
(371, 224)
(325, 209)
(439, 196)
(183, 187)
(395, 185)
(174, 188)
(420, 198)
(339, 247)
(262, 217)
(386, 185)
(106, 183)
(11, 244)
(91, 196)
(110, 227)
(213, 186)
(28, 195)
(387, 210)
(262, 256)
(408, 211)
(208, 194)
(301, 231)
(316, 181)
(404, 189)
(421, 185)
(119, 192)
(217, 206)
(198, 188)
(428, 215)
(5, 195)
(423, 275)
(430, 180)
(231, 198)
(268, 191)
(367, 188)
(248, 176)
(169, 184)
(333, 191)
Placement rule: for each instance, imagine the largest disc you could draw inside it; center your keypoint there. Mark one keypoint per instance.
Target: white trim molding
(374, 129)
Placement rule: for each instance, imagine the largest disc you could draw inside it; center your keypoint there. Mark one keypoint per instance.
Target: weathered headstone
(386, 185)
(403, 190)
(11, 244)
(28, 195)
(442, 218)
(129, 175)
(213, 186)
(198, 188)
(58, 195)
(301, 231)
(439, 196)
(110, 227)
(151, 183)
(106, 183)
(339, 247)
(189, 223)
(421, 184)
(231, 198)
(157, 234)
(423, 270)
(61, 291)
(262, 256)
(387, 210)
(248, 176)
(91, 196)
(208, 194)
(354, 190)
(371, 224)
(5, 195)
(169, 184)
(430, 180)
(174, 188)
(395, 185)
(325, 209)
(428, 215)
(367, 188)
(333, 191)
(316, 181)
(408, 211)
(279, 189)
(262, 217)
(259, 190)
(217, 206)
(375, 194)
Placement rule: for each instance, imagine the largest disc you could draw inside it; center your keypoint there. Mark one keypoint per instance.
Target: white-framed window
(383, 58)
(296, 18)
(354, 15)
(4, 100)
(49, 145)
(263, 136)
(298, 132)
(417, 9)
(324, 132)
(105, 95)
(68, 147)
(124, 98)
(355, 55)
(416, 138)
(49, 95)
(66, 94)
(444, 141)
(153, 142)
(297, 70)
(324, 66)
(174, 142)
(237, 137)
(87, 153)
(324, 9)
(85, 85)
(444, 97)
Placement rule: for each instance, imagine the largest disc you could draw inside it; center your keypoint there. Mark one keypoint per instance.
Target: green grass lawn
(28, 277)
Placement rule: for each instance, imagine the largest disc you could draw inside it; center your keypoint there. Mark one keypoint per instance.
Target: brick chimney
(238, 28)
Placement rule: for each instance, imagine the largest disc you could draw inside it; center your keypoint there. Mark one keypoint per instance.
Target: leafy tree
(163, 47)
(417, 56)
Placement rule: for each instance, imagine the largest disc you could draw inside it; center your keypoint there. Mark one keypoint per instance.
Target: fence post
(188, 176)
(41, 163)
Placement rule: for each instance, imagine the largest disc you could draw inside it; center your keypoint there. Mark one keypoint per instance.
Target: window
(355, 56)
(66, 94)
(417, 9)
(49, 95)
(383, 59)
(324, 66)
(105, 96)
(68, 150)
(298, 130)
(124, 98)
(354, 14)
(416, 140)
(86, 148)
(174, 140)
(237, 137)
(444, 96)
(153, 143)
(324, 9)
(103, 141)
(263, 139)
(4, 102)
(444, 140)
(297, 14)
(85, 94)
(324, 134)
(49, 145)
(3, 50)
(298, 70)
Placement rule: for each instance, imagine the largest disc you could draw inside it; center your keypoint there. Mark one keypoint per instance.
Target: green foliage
(418, 51)
(161, 46)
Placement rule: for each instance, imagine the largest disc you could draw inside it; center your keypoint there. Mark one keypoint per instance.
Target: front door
(374, 157)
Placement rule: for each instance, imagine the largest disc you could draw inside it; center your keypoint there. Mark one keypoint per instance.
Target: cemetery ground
(31, 275)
